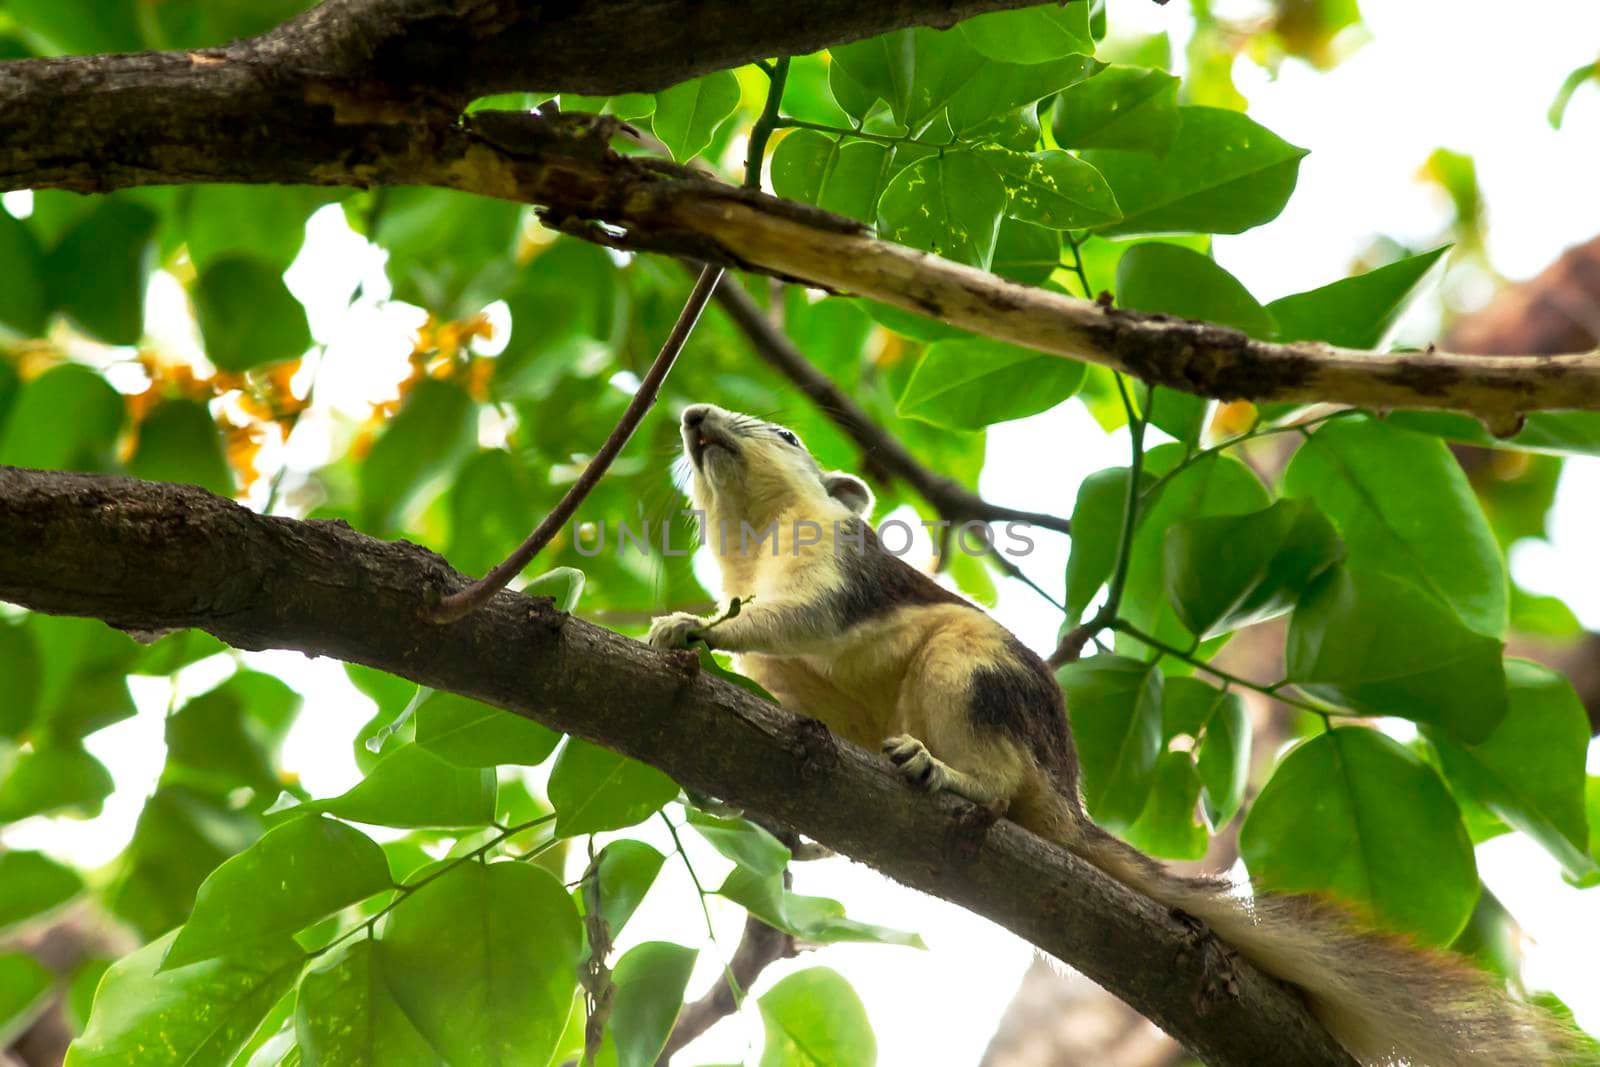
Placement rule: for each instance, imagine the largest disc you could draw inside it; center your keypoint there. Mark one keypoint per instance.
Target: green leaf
(1183, 415)
(909, 323)
(814, 1019)
(1215, 484)
(969, 384)
(493, 504)
(689, 113)
(1159, 277)
(1382, 646)
(298, 873)
(1390, 493)
(843, 176)
(99, 268)
(264, 223)
(1115, 707)
(437, 427)
(1354, 312)
(815, 919)
(1025, 253)
(1222, 174)
(1228, 571)
(25, 994)
(19, 666)
(709, 664)
(68, 418)
(1096, 527)
(949, 205)
(742, 841)
(563, 585)
(650, 980)
(78, 26)
(32, 884)
(1053, 188)
(627, 870)
(226, 739)
(1167, 825)
(213, 23)
(1216, 719)
(1133, 109)
(1530, 770)
(1556, 432)
(204, 1013)
(915, 72)
(49, 779)
(179, 442)
(996, 91)
(83, 677)
(595, 789)
(1031, 35)
(469, 733)
(502, 938)
(25, 302)
(1579, 75)
(180, 837)
(247, 315)
(449, 252)
(413, 787)
(346, 1015)
(1352, 814)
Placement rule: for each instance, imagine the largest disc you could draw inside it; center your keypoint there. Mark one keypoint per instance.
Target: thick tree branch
(167, 118)
(881, 451)
(148, 556)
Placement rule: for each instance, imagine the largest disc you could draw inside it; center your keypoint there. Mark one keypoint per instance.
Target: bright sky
(1471, 76)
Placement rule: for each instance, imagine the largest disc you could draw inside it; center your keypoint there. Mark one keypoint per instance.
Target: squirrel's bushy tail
(1386, 1000)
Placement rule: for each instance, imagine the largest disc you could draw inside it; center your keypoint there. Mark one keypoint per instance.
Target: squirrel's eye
(789, 437)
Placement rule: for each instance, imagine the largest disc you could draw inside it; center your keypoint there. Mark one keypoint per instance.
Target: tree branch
(370, 92)
(147, 556)
(107, 122)
(477, 594)
(760, 946)
(881, 451)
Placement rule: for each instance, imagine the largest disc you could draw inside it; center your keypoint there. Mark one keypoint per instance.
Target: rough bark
(147, 556)
(358, 93)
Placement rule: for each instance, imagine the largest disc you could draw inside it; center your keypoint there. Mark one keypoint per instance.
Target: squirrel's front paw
(675, 630)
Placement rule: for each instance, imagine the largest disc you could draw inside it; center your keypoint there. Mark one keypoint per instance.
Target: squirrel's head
(742, 468)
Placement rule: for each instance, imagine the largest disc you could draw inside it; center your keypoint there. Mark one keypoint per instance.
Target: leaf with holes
(949, 205)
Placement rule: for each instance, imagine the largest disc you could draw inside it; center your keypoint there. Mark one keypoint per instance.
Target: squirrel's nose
(695, 414)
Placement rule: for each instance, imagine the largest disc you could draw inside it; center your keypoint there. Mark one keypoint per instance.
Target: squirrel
(837, 628)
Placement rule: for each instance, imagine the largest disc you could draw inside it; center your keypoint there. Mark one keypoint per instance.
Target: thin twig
(479, 592)
(881, 451)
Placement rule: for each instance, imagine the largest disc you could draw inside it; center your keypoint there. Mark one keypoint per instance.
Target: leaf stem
(762, 131)
(1239, 439)
(677, 844)
(1071, 645)
(402, 891)
(1076, 266)
(1273, 691)
(880, 138)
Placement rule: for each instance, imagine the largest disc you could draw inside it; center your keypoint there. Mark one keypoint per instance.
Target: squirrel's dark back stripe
(877, 582)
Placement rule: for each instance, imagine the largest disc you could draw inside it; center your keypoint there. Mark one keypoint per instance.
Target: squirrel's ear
(848, 490)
